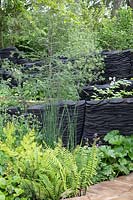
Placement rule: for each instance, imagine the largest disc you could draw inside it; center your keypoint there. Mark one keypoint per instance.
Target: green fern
(91, 167)
(69, 164)
(53, 170)
(9, 131)
(86, 159)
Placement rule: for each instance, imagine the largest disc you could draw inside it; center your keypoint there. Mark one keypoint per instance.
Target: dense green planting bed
(32, 170)
(49, 52)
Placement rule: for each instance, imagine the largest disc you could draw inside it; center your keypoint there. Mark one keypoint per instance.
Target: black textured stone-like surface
(13, 110)
(131, 57)
(9, 53)
(106, 115)
(117, 64)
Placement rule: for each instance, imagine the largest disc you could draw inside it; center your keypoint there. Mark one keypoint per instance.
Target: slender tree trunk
(1, 39)
(1, 31)
(1, 26)
(130, 3)
(116, 5)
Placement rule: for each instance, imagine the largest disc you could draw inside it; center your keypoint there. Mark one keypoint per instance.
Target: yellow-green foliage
(48, 173)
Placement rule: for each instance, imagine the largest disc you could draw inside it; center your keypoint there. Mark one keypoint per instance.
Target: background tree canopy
(63, 26)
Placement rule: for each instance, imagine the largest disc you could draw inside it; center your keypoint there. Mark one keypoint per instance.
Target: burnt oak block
(103, 116)
(117, 64)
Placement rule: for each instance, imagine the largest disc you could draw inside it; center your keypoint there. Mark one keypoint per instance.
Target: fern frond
(9, 131)
(86, 160)
(90, 169)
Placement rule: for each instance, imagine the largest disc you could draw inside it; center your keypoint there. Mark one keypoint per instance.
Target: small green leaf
(18, 191)
(114, 138)
(2, 183)
(2, 196)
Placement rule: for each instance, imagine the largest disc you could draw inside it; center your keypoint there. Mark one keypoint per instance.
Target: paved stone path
(119, 189)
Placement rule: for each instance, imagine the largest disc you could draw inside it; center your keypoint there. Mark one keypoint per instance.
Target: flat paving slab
(120, 188)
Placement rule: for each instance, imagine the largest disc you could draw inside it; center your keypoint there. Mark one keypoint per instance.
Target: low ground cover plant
(116, 89)
(116, 157)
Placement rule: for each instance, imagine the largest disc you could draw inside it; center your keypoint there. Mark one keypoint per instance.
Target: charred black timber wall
(106, 115)
(118, 64)
(91, 117)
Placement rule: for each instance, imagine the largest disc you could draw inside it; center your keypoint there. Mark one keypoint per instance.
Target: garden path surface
(120, 188)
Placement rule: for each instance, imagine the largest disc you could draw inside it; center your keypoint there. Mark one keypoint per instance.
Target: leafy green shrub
(116, 33)
(61, 86)
(31, 172)
(6, 95)
(116, 158)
